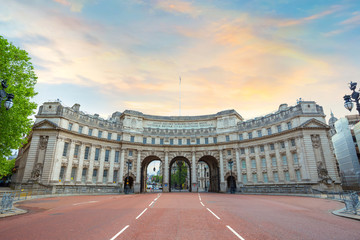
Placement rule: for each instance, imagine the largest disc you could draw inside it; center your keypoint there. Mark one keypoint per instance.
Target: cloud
(75, 5)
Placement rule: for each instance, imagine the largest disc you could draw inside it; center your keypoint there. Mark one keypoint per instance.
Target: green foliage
(15, 124)
(6, 167)
(179, 177)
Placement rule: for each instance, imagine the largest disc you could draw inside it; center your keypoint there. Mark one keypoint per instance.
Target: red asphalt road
(179, 216)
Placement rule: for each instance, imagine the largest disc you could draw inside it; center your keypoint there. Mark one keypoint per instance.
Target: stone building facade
(69, 150)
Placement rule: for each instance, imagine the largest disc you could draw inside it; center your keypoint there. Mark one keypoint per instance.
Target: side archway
(214, 178)
(144, 166)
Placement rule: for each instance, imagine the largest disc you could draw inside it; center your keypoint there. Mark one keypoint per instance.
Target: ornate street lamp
(127, 185)
(232, 189)
(355, 96)
(205, 167)
(4, 95)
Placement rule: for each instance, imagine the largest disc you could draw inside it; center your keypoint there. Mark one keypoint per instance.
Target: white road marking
(213, 213)
(141, 213)
(236, 234)
(122, 230)
(84, 203)
(151, 203)
(202, 204)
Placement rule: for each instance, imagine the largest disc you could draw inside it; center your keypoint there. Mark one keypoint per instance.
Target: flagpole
(179, 96)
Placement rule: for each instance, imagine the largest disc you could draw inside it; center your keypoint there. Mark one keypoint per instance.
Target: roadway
(179, 216)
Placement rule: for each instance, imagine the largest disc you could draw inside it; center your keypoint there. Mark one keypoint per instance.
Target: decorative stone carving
(36, 172)
(320, 160)
(315, 139)
(43, 142)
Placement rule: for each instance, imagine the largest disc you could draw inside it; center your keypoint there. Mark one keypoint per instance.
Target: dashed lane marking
(141, 213)
(84, 203)
(122, 230)
(202, 204)
(151, 203)
(213, 213)
(236, 234)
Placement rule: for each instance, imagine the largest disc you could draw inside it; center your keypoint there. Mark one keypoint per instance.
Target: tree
(179, 177)
(18, 72)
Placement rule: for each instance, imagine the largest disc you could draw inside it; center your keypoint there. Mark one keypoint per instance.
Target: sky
(250, 56)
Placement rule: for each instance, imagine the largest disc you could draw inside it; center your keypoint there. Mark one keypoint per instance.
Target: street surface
(179, 216)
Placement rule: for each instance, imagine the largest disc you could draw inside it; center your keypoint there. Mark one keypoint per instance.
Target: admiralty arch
(71, 151)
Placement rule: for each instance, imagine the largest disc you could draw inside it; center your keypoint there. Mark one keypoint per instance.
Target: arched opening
(203, 173)
(231, 184)
(151, 174)
(213, 178)
(180, 175)
(129, 184)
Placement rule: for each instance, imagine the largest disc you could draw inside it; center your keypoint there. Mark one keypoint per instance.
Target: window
(242, 150)
(253, 163)
(295, 158)
(188, 141)
(94, 175)
(132, 139)
(284, 160)
(161, 141)
(73, 173)
(293, 144)
(255, 179)
(70, 126)
(61, 175)
(130, 153)
(241, 137)
(250, 135)
(259, 133)
(83, 175)
(289, 125)
(276, 177)
(115, 176)
(227, 137)
(99, 134)
(282, 144)
(198, 141)
(206, 140)
(144, 140)
(269, 131)
(90, 132)
(252, 150)
(180, 141)
(273, 161)
(244, 178)
(117, 153)
(287, 176)
(118, 137)
(272, 146)
(229, 152)
(109, 136)
(262, 148)
(76, 151)
(80, 129)
(243, 164)
(298, 175)
(97, 153)
(66, 146)
(171, 141)
(278, 128)
(107, 154)
(105, 175)
(215, 139)
(263, 162)
(87, 150)
(152, 140)
(266, 180)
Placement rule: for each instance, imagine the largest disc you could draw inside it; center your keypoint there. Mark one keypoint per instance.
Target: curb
(341, 213)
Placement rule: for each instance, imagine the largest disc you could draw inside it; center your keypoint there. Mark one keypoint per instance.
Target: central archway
(213, 173)
(144, 175)
(180, 174)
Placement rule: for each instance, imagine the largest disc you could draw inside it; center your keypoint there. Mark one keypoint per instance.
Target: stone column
(238, 168)
(268, 164)
(138, 170)
(258, 165)
(248, 165)
(111, 169)
(58, 160)
(121, 170)
(304, 168)
(81, 164)
(91, 165)
(290, 162)
(166, 172)
(222, 180)
(70, 158)
(194, 187)
(279, 163)
(100, 175)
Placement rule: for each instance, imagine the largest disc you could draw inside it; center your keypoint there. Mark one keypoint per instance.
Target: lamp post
(4, 95)
(127, 187)
(232, 190)
(355, 96)
(205, 178)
